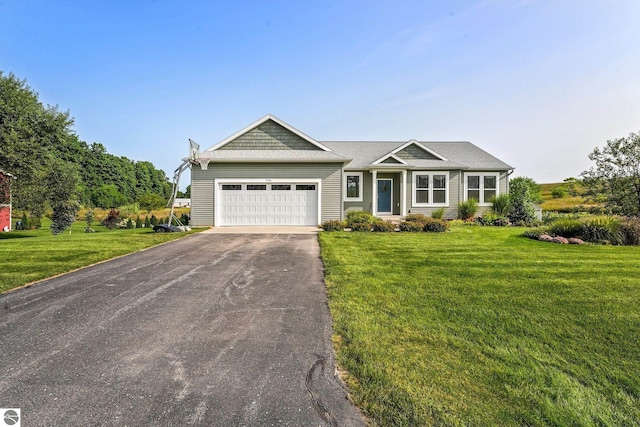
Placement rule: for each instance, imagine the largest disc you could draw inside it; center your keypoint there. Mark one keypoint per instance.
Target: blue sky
(539, 84)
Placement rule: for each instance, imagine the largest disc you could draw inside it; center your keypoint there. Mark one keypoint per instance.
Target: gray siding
(413, 152)
(329, 173)
(269, 136)
(201, 199)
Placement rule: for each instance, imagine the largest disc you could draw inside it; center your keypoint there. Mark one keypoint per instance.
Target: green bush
(421, 218)
(566, 227)
(468, 209)
(434, 225)
(153, 220)
(333, 225)
(438, 213)
(359, 226)
(359, 217)
(138, 222)
(501, 205)
(558, 193)
(147, 222)
(383, 226)
(631, 230)
(603, 229)
(411, 226)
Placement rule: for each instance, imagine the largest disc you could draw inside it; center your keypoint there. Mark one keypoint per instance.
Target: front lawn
(27, 256)
(480, 326)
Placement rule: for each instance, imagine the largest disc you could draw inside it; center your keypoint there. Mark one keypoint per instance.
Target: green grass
(27, 256)
(480, 326)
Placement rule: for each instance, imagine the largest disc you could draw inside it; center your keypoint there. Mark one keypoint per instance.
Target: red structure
(5, 200)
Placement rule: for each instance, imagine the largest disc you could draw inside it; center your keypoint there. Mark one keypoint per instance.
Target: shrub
(468, 209)
(438, 213)
(501, 205)
(184, 219)
(500, 222)
(138, 222)
(25, 222)
(411, 226)
(566, 227)
(434, 225)
(153, 220)
(130, 224)
(602, 229)
(535, 233)
(383, 226)
(333, 225)
(89, 217)
(112, 219)
(147, 222)
(63, 216)
(359, 226)
(558, 192)
(420, 218)
(522, 193)
(631, 230)
(359, 217)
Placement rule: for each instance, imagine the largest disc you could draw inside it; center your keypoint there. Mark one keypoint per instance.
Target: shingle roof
(459, 155)
(287, 156)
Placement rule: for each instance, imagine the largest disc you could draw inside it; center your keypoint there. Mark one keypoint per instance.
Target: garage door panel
(260, 204)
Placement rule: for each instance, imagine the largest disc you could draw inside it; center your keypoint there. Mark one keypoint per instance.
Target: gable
(413, 152)
(269, 135)
(391, 160)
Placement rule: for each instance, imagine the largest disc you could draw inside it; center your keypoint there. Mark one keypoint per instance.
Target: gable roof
(266, 119)
(454, 155)
(271, 140)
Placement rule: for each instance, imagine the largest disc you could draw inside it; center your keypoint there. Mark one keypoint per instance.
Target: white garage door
(287, 203)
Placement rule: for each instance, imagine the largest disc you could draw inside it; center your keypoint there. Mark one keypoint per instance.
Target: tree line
(55, 170)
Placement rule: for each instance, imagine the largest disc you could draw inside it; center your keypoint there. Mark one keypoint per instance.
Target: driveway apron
(211, 330)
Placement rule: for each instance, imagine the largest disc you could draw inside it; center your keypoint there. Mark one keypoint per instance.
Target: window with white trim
(352, 186)
(481, 186)
(430, 188)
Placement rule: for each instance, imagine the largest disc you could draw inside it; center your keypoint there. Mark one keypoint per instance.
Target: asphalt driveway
(211, 330)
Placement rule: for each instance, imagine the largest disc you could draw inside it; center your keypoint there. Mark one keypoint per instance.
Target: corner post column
(403, 194)
(374, 194)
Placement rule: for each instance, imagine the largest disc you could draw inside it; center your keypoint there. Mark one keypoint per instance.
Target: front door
(385, 196)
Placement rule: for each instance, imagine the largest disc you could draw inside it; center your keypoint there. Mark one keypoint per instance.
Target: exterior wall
(201, 199)
(269, 136)
(203, 182)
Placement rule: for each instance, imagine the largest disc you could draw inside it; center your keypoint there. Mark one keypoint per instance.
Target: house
(270, 173)
(5, 200)
(181, 202)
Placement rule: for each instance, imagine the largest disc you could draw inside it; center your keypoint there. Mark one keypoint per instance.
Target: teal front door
(385, 196)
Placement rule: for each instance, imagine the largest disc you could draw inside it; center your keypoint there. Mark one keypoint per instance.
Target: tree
(522, 192)
(62, 194)
(151, 201)
(616, 175)
(29, 134)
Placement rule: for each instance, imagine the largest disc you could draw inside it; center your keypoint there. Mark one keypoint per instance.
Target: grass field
(566, 203)
(27, 256)
(482, 327)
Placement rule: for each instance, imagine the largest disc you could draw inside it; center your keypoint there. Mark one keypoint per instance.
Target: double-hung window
(430, 189)
(481, 186)
(352, 186)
